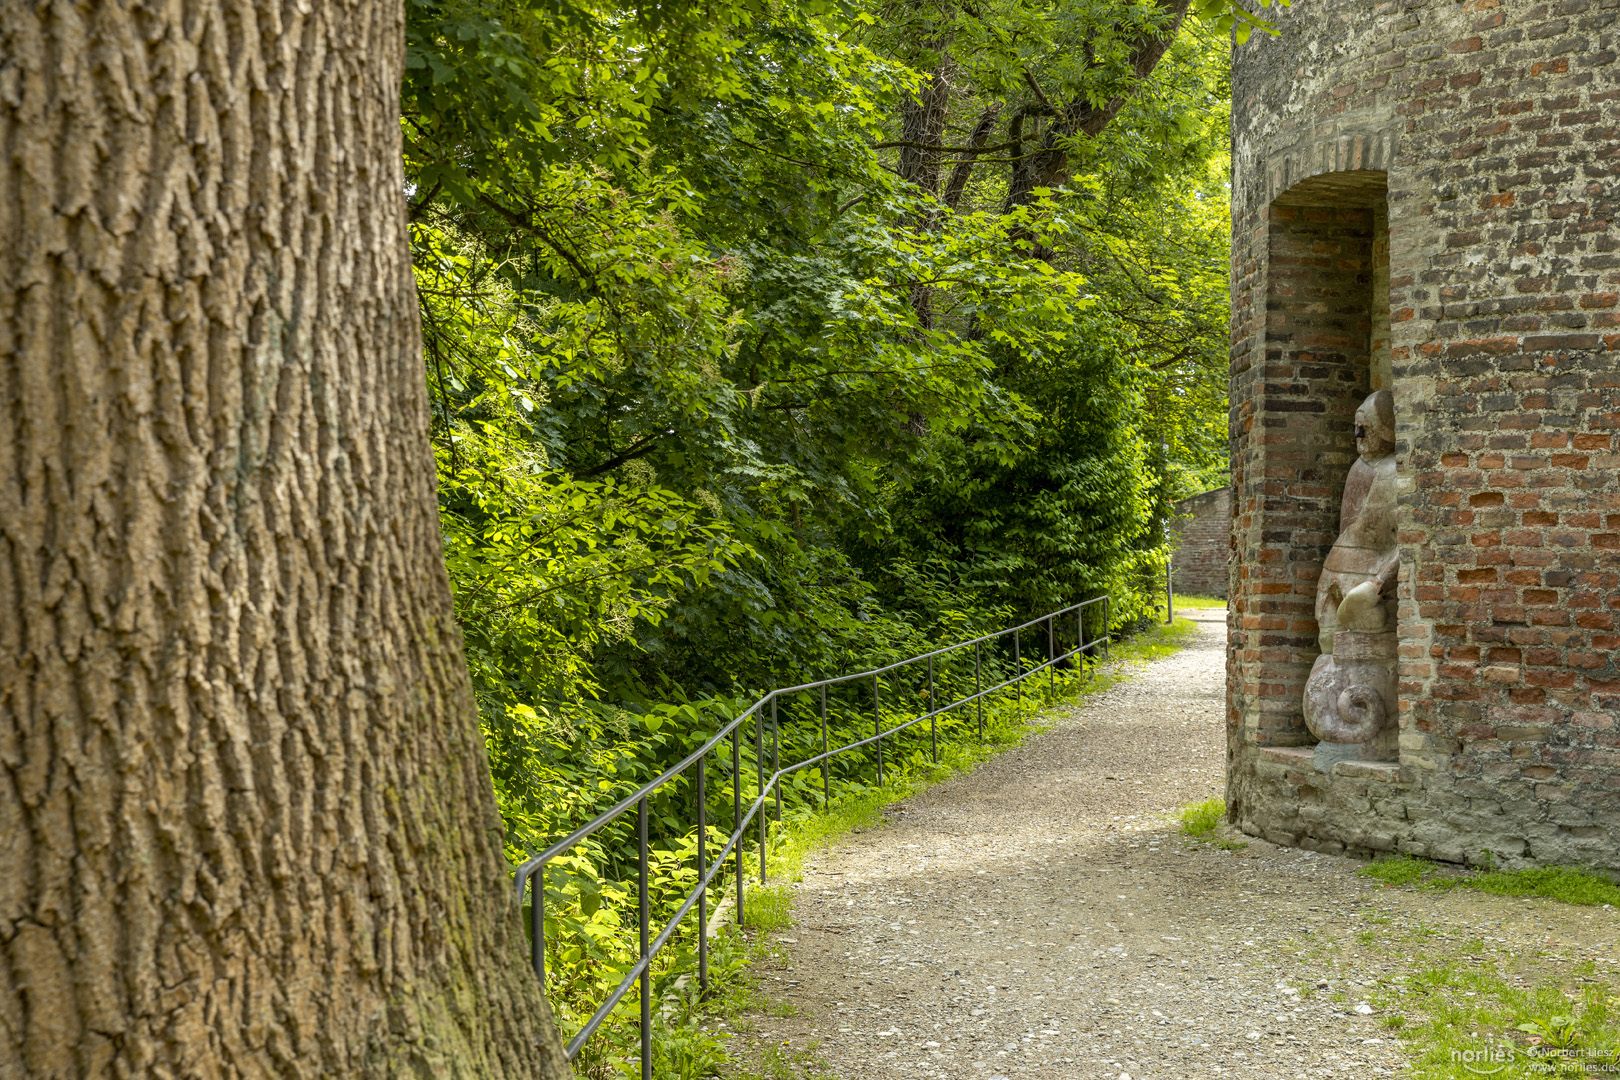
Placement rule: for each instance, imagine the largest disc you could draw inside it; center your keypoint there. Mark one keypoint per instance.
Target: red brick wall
(1203, 528)
(1498, 125)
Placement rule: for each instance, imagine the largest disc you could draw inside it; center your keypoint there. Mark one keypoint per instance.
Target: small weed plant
(1200, 820)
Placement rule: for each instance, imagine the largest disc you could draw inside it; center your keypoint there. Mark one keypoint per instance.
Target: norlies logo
(1542, 1060)
(1491, 1059)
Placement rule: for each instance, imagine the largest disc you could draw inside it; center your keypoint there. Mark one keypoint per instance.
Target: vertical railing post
(1018, 665)
(1051, 656)
(736, 813)
(933, 721)
(826, 763)
(703, 870)
(1080, 636)
(877, 726)
(776, 759)
(759, 773)
(1108, 628)
(978, 685)
(1169, 589)
(646, 970)
(537, 923)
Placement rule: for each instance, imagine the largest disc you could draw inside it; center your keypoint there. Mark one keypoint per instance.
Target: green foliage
(1231, 15)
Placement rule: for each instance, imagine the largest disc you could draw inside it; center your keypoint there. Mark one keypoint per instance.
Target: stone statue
(1350, 696)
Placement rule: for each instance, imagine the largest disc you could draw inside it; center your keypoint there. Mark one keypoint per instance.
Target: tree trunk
(246, 819)
(922, 122)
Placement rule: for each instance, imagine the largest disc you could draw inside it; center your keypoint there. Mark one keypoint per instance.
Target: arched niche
(1326, 349)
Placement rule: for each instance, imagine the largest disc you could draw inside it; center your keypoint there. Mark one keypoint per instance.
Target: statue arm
(1388, 572)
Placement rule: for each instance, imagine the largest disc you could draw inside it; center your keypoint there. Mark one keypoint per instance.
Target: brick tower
(1424, 201)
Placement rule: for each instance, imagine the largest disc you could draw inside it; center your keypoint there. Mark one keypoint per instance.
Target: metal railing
(531, 874)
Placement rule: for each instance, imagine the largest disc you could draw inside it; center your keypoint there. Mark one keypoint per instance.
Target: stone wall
(1476, 146)
(1203, 539)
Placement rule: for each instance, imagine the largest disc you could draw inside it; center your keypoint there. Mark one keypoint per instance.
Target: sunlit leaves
(1236, 16)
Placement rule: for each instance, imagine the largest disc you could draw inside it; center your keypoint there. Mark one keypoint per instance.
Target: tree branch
(943, 149)
(1050, 166)
(959, 175)
(640, 448)
(1039, 93)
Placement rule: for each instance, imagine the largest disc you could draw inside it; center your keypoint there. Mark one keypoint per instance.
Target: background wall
(1203, 528)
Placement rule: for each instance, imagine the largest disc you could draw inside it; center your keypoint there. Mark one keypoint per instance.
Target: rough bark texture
(245, 814)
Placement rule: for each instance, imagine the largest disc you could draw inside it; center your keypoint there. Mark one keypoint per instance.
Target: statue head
(1375, 425)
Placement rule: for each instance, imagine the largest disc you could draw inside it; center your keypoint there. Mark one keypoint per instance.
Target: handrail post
(537, 923)
(1169, 589)
(1051, 656)
(759, 772)
(736, 813)
(1018, 666)
(776, 759)
(933, 719)
(703, 867)
(877, 726)
(978, 686)
(1108, 627)
(826, 778)
(1080, 635)
(646, 971)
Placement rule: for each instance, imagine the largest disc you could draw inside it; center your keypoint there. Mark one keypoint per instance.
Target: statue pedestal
(1329, 754)
(1350, 699)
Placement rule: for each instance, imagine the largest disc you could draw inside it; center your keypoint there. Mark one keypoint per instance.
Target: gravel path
(1042, 917)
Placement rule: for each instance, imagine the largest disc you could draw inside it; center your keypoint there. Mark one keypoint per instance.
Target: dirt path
(1043, 917)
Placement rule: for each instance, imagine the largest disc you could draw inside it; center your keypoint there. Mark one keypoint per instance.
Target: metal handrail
(533, 869)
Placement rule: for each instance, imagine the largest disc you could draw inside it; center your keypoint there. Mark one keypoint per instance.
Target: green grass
(784, 1063)
(1462, 1016)
(1153, 644)
(1400, 870)
(1199, 601)
(1474, 1021)
(1199, 820)
(1569, 884)
(1572, 885)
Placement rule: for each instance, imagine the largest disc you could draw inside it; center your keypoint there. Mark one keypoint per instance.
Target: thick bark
(245, 814)
(922, 126)
(1047, 165)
